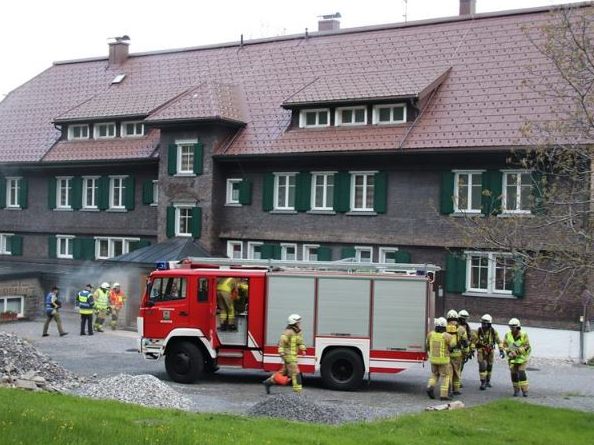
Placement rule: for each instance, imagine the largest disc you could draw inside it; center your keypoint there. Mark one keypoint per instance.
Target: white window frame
(287, 192)
(68, 187)
(376, 114)
(71, 128)
(178, 218)
(110, 245)
(516, 211)
(383, 251)
(155, 192)
(230, 249)
(359, 250)
(284, 248)
(366, 206)
(230, 200)
(123, 131)
(4, 302)
(13, 182)
(491, 272)
(4, 243)
(68, 241)
(457, 209)
(328, 203)
(303, 119)
(338, 116)
(95, 188)
(307, 248)
(121, 205)
(251, 245)
(180, 147)
(107, 126)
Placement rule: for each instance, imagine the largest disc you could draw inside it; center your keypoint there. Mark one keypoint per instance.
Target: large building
(341, 143)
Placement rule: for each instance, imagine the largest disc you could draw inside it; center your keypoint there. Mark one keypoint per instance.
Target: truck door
(166, 307)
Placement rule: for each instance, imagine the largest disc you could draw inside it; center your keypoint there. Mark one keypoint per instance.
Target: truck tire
(184, 362)
(342, 369)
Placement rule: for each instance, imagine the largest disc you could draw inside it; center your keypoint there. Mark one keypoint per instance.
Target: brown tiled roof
(482, 102)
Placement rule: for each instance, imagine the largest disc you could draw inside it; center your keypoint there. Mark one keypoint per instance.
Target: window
(12, 304)
(490, 272)
(5, 248)
(64, 192)
(64, 245)
(387, 254)
(104, 130)
(233, 191)
(284, 191)
(132, 129)
(235, 249)
(288, 252)
(364, 254)
(109, 247)
(362, 191)
(351, 116)
(314, 118)
(12, 193)
(389, 114)
(167, 289)
(78, 132)
(185, 157)
(517, 192)
(310, 252)
(117, 190)
(468, 191)
(322, 197)
(183, 220)
(254, 250)
(90, 191)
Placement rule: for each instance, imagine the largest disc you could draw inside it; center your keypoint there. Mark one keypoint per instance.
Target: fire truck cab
(354, 322)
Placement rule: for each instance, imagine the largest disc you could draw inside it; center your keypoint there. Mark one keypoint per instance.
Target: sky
(36, 33)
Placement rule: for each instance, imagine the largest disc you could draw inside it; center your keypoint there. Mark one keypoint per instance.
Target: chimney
(118, 50)
(329, 22)
(467, 7)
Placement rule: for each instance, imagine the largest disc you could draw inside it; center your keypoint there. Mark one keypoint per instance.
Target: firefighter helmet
(463, 314)
(294, 318)
(440, 322)
(116, 285)
(514, 323)
(486, 319)
(452, 314)
(104, 285)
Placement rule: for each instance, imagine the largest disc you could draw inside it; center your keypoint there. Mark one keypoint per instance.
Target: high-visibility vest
(459, 334)
(101, 299)
(520, 345)
(117, 299)
(85, 302)
(438, 344)
(226, 285)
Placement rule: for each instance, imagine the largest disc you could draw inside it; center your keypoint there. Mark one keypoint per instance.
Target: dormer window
(351, 116)
(132, 129)
(105, 130)
(78, 132)
(314, 118)
(389, 114)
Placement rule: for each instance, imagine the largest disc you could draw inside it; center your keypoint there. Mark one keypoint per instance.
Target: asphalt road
(554, 383)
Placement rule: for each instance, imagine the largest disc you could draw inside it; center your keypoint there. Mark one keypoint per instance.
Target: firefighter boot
(430, 392)
(483, 385)
(516, 392)
(267, 384)
(488, 384)
(525, 392)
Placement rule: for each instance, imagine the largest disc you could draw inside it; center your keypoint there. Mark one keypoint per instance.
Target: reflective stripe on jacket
(438, 346)
(117, 299)
(85, 302)
(291, 342)
(519, 347)
(461, 340)
(101, 298)
(227, 285)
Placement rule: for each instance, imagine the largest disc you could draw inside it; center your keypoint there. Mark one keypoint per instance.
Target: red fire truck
(356, 319)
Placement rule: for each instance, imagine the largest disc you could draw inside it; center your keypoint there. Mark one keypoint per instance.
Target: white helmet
(514, 323)
(463, 314)
(452, 314)
(440, 322)
(116, 285)
(486, 319)
(104, 285)
(294, 318)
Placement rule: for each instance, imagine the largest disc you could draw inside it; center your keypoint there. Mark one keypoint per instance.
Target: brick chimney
(329, 22)
(467, 7)
(118, 50)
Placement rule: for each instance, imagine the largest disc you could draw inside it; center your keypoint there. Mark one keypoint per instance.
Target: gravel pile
(299, 407)
(145, 390)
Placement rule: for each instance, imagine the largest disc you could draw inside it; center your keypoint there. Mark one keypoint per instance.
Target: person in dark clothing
(52, 311)
(85, 303)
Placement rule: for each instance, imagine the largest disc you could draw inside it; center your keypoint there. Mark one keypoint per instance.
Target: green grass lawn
(42, 418)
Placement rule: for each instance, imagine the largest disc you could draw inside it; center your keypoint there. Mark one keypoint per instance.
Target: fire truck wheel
(184, 362)
(342, 369)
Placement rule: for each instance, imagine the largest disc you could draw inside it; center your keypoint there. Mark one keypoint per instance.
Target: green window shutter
(402, 256)
(196, 222)
(16, 245)
(245, 192)
(342, 192)
(103, 193)
(268, 192)
(380, 192)
(172, 159)
(446, 201)
(129, 200)
(51, 193)
(491, 192)
(52, 244)
(77, 248)
(303, 192)
(198, 159)
(76, 201)
(134, 245)
(348, 252)
(88, 248)
(147, 192)
(324, 253)
(539, 182)
(519, 272)
(271, 251)
(2, 192)
(23, 193)
(170, 229)
(455, 273)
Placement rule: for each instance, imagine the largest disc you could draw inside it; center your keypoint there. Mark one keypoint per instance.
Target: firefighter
(439, 343)
(101, 298)
(290, 344)
(467, 353)
(460, 345)
(227, 293)
(517, 348)
(484, 340)
(116, 302)
(85, 303)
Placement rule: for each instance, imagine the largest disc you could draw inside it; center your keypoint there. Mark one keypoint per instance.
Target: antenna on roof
(241, 41)
(306, 34)
(336, 15)
(405, 15)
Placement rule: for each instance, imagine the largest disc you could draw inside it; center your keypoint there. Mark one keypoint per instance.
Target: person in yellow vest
(290, 345)
(484, 340)
(85, 304)
(517, 348)
(116, 302)
(101, 297)
(461, 345)
(438, 346)
(227, 293)
(468, 352)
